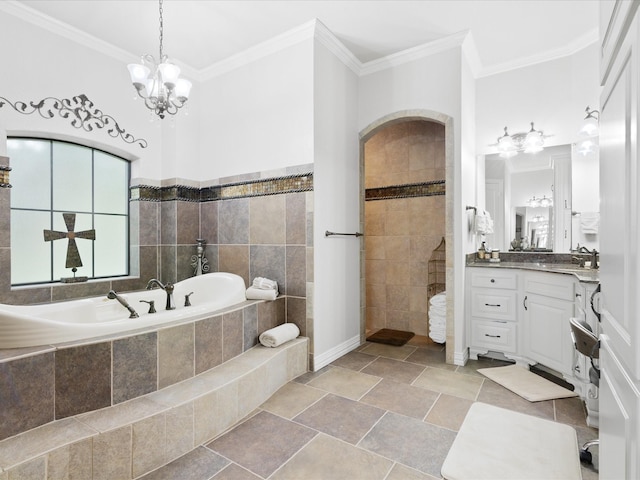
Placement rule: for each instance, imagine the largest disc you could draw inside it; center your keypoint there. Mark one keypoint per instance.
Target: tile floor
(379, 412)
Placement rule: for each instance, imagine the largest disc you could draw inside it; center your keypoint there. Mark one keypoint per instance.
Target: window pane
(60, 247)
(111, 245)
(72, 178)
(30, 254)
(30, 173)
(112, 183)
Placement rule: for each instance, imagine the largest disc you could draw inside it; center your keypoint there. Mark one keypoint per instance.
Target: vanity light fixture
(540, 202)
(530, 142)
(589, 132)
(591, 124)
(159, 83)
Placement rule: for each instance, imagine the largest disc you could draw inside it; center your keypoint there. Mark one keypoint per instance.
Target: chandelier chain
(161, 29)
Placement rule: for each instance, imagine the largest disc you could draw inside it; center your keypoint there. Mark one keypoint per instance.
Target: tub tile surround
(76, 378)
(133, 438)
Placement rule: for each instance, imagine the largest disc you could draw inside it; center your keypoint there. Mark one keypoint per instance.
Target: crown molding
(312, 29)
(261, 50)
(575, 46)
(414, 53)
(327, 38)
(34, 17)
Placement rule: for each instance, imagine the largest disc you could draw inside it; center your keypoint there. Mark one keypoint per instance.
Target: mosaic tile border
(4, 176)
(253, 188)
(423, 189)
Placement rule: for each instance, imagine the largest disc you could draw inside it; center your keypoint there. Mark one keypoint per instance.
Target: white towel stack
(279, 335)
(483, 223)
(438, 318)
(589, 222)
(262, 289)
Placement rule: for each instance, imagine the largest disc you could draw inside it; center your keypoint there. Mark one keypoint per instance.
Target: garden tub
(74, 320)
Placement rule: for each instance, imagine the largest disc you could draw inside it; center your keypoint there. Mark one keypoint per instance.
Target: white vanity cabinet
(492, 308)
(522, 314)
(548, 304)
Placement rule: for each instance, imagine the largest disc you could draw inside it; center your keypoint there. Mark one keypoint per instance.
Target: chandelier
(158, 83)
(530, 142)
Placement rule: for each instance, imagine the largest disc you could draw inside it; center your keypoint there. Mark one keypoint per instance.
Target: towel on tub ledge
(254, 293)
(279, 335)
(264, 284)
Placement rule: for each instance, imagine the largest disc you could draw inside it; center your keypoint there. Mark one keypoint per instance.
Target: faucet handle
(152, 305)
(187, 302)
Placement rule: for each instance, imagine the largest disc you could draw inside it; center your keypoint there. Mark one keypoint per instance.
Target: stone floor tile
(497, 395)
(472, 366)
(235, 472)
(262, 443)
(291, 399)
(199, 464)
(570, 411)
(389, 351)
(307, 377)
(327, 458)
(451, 383)
(396, 370)
(345, 382)
(354, 360)
(340, 417)
(425, 342)
(430, 357)
(401, 472)
(409, 441)
(449, 412)
(401, 398)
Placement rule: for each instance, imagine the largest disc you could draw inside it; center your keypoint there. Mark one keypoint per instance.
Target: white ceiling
(202, 33)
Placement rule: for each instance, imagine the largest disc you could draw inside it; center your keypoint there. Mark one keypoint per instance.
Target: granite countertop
(583, 274)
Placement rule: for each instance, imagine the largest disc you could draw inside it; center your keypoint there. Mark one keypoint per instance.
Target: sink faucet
(168, 288)
(594, 255)
(113, 295)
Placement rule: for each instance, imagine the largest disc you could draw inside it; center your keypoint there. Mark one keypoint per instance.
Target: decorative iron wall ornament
(79, 110)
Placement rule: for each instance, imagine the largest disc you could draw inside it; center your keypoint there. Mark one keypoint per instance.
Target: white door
(619, 242)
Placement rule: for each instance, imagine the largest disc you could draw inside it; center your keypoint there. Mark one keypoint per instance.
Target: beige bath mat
(526, 384)
(498, 444)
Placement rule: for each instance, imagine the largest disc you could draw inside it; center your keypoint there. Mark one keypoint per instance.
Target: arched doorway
(405, 161)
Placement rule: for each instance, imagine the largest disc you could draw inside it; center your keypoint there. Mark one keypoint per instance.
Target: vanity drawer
(499, 336)
(494, 278)
(554, 285)
(493, 304)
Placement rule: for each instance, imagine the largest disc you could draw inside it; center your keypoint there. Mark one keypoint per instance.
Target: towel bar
(357, 234)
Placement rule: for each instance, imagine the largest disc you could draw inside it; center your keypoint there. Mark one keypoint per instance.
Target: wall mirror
(538, 201)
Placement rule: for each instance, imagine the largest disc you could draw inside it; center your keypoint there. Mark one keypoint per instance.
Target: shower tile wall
(401, 233)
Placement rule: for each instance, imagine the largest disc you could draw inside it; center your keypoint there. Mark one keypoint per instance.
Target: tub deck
(135, 437)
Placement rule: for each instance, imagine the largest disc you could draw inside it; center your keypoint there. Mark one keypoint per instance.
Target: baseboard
(461, 358)
(324, 359)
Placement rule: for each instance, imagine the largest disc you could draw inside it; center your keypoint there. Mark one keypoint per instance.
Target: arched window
(69, 190)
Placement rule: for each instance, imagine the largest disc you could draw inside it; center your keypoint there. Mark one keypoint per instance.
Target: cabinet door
(547, 338)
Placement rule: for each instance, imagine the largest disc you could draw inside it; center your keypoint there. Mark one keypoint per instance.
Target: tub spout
(113, 295)
(168, 288)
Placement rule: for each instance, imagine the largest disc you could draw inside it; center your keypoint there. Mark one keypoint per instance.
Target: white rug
(498, 444)
(526, 384)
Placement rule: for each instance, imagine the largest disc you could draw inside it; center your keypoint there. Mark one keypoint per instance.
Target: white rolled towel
(436, 310)
(279, 335)
(254, 293)
(265, 283)
(439, 300)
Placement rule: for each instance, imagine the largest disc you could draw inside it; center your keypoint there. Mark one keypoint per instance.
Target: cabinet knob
(493, 280)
